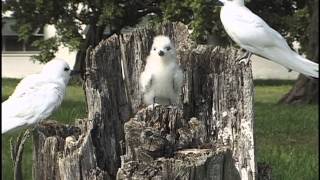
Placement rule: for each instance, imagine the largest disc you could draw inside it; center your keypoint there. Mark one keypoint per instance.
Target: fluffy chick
(162, 78)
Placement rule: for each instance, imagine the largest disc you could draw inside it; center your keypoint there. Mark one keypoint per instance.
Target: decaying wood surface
(208, 135)
(162, 144)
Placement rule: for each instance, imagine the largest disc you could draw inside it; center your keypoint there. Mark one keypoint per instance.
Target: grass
(286, 136)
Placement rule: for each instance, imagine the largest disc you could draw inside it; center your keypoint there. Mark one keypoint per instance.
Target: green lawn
(286, 136)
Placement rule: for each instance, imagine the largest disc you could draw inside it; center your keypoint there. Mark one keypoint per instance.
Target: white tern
(250, 32)
(162, 78)
(36, 96)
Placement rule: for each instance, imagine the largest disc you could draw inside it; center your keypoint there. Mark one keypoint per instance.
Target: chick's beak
(161, 53)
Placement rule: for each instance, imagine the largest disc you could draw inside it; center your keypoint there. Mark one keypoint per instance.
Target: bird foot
(171, 106)
(245, 61)
(245, 58)
(152, 106)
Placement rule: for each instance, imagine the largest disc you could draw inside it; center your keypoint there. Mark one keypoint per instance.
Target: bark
(93, 37)
(306, 90)
(161, 144)
(208, 135)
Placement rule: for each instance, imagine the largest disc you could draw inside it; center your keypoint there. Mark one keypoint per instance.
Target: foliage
(202, 16)
(289, 17)
(70, 18)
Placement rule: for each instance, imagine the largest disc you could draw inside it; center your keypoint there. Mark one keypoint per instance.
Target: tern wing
(31, 106)
(26, 84)
(248, 29)
(253, 34)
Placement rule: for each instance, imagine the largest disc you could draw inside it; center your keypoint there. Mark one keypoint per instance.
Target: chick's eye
(66, 69)
(154, 49)
(168, 48)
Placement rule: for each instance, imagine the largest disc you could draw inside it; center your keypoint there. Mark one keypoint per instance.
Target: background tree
(70, 18)
(290, 17)
(306, 90)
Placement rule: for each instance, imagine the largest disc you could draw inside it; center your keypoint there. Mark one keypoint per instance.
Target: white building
(16, 55)
(17, 63)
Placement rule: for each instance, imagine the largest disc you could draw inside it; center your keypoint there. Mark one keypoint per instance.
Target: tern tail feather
(292, 60)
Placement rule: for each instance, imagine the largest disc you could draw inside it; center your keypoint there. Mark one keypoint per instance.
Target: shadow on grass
(272, 82)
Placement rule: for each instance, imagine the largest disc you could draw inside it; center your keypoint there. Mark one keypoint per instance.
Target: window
(10, 39)
(11, 43)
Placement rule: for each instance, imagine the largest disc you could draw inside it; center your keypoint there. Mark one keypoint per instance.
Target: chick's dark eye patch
(168, 48)
(66, 69)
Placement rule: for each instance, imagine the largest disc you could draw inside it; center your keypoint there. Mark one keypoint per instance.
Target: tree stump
(161, 144)
(208, 135)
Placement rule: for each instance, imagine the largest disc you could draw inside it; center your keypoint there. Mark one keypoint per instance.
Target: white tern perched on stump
(250, 32)
(36, 96)
(162, 78)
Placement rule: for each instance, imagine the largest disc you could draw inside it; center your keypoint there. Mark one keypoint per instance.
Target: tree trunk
(306, 90)
(208, 135)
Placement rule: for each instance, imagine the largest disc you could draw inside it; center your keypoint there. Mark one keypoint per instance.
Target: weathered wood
(161, 144)
(209, 135)
(217, 91)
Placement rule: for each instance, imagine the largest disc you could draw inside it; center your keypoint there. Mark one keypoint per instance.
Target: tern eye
(168, 48)
(66, 69)
(154, 48)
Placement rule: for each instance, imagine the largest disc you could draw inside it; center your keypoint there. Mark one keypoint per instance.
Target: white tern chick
(36, 96)
(162, 78)
(250, 32)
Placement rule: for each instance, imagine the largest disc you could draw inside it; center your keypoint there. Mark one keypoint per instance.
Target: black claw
(246, 56)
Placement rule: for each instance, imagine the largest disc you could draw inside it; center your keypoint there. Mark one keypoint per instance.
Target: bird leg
(154, 104)
(245, 58)
(170, 103)
(154, 101)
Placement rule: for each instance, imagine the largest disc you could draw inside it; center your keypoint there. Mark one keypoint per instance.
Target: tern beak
(220, 3)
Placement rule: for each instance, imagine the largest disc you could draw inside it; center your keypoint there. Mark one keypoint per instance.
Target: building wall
(21, 65)
(265, 69)
(18, 66)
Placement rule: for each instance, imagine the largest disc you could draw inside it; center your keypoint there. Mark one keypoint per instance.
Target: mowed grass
(286, 136)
